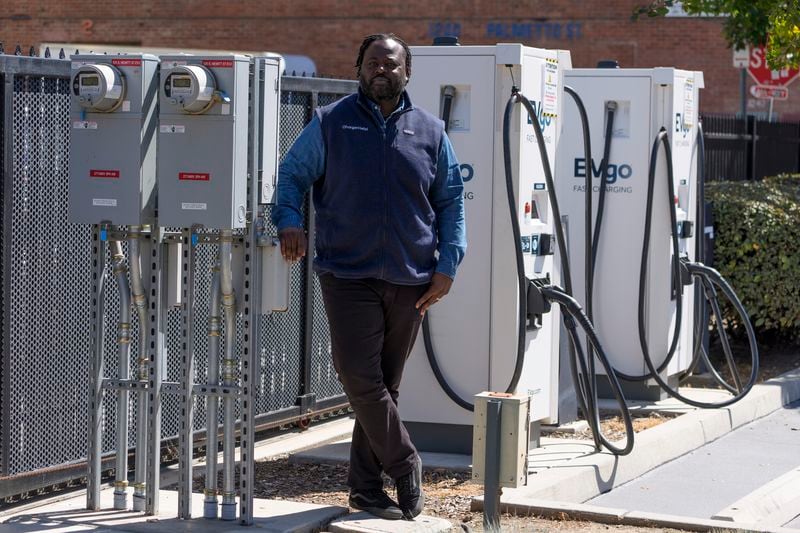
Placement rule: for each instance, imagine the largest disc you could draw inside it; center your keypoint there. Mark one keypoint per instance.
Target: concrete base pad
(366, 523)
(339, 453)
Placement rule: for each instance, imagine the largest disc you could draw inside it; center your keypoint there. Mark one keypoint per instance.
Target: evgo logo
(613, 172)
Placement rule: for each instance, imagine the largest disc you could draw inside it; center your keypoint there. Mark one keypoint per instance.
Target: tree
(775, 23)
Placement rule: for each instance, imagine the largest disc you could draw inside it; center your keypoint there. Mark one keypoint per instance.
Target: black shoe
(409, 491)
(375, 501)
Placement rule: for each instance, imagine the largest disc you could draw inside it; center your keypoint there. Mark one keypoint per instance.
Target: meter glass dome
(192, 88)
(99, 87)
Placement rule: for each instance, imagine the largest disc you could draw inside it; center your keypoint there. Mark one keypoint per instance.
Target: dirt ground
(449, 493)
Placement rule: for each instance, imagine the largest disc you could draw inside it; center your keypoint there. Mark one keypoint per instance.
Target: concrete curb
(584, 476)
(607, 515)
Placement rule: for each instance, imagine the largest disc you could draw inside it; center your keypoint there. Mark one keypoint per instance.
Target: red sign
(126, 62)
(104, 173)
(767, 91)
(762, 74)
(194, 176)
(218, 63)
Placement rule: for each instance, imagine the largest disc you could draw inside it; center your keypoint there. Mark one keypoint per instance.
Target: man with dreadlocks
(390, 235)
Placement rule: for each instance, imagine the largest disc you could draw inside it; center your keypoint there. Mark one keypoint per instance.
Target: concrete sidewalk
(566, 474)
(67, 512)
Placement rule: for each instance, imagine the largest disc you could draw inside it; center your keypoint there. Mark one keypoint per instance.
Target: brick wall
(329, 31)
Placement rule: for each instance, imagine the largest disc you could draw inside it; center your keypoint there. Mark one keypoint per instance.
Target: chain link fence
(46, 287)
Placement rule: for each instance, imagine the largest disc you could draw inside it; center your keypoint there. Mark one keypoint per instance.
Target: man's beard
(380, 92)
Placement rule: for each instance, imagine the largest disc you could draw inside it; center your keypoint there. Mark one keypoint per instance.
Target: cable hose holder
(593, 237)
(584, 385)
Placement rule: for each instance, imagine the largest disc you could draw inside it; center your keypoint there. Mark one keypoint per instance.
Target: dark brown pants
(373, 326)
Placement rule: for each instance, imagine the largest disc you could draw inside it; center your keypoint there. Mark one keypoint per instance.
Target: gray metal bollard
(499, 448)
(491, 481)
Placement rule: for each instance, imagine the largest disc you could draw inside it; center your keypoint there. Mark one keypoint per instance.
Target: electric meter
(99, 87)
(202, 161)
(112, 145)
(191, 88)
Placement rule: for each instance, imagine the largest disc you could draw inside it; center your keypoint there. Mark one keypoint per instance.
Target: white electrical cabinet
(474, 329)
(647, 100)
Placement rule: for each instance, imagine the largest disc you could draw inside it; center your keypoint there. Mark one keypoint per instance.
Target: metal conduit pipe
(228, 377)
(120, 272)
(140, 303)
(212, 416)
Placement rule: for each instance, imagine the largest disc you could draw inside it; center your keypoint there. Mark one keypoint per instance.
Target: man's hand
(293, 243)
(440, 286)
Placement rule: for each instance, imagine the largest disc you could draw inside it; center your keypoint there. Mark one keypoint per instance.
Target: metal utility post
(741, 60)
(743, 92)
(491, 483)
(186, 435)
(157, 318)
(499, 448)
(96, 370)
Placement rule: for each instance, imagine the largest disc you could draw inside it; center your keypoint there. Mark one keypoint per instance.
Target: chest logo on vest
(408, 132)
(357, 128)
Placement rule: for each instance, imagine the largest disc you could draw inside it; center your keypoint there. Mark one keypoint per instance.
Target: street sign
(762, 74)
(767, 92)
(741, 57)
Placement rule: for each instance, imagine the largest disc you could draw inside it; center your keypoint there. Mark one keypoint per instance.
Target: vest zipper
(385, 204)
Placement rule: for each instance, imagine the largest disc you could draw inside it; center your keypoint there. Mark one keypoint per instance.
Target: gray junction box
(203, 141)
(113, 117)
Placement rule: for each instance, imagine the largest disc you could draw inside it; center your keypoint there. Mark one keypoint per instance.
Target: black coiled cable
(449, 93)
(710, 279)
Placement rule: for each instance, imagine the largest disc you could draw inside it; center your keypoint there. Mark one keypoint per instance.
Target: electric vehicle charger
(536, 295)
(538, 291)
(683, 272)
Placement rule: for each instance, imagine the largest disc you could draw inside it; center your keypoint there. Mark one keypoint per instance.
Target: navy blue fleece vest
(374, 218)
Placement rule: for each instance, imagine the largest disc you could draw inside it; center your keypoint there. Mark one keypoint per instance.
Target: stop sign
(762, 74)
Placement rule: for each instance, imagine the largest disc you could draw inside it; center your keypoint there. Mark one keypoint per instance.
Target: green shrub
(757, 249)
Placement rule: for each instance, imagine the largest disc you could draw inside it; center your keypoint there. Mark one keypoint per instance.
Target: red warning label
(126, 62)
(194, 176)
(218, 63)
(94, 173)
